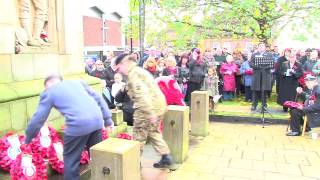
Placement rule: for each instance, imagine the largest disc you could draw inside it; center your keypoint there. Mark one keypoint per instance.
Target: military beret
(120, 58)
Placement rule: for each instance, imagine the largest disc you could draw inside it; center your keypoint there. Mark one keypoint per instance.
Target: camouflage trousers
(144, 129)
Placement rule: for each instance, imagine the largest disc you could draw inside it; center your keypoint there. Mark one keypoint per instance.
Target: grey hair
(52, 76)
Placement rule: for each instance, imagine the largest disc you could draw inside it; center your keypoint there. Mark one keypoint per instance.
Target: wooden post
(176, 131)
(115, 159)
(117, 116)
(199, 113)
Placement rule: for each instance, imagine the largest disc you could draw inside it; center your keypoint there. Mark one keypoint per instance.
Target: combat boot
(165, 162)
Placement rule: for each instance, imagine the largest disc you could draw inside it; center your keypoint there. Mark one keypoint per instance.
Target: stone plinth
(115, 159)
(176, 131)
(117, 116)
(199, 113)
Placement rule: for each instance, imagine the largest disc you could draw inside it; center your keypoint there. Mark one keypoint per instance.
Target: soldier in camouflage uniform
(149, 104)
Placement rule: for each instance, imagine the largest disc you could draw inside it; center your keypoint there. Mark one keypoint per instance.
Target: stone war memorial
(37, 38)
(25, 61)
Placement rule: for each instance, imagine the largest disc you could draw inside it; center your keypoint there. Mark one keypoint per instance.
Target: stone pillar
(176, 131)
(115, 159)
(199, 113)
(117, 116)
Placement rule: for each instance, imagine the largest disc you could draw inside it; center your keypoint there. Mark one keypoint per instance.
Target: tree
(193, 20)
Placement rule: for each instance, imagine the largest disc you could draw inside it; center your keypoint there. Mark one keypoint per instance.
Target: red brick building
(103, 32)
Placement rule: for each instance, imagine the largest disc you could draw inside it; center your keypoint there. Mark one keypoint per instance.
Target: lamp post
(131, 43)
(141, 26)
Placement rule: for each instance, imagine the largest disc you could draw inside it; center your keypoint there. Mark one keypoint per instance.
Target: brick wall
(114, 33)
(92, 30)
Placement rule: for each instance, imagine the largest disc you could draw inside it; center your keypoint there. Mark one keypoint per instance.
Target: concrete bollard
(115, 159)
(176, 131)
(117, 116)
(199, 113)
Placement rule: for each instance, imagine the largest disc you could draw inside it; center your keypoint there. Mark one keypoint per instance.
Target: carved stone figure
(39, 21)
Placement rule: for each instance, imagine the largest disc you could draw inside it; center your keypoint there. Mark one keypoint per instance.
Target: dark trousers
(296, 116)
(248, 93)
(72, 150)
(128, 117)
(255, 98)
(238, 85)
(192, 86)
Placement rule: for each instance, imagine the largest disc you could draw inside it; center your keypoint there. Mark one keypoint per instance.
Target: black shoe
(285, 109)
(253, 108)
(165, 162)
(293, 133)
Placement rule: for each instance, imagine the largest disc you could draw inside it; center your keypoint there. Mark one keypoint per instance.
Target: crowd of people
(220, 72)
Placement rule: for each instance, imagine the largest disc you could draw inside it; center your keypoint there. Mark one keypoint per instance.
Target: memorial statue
(39, 21)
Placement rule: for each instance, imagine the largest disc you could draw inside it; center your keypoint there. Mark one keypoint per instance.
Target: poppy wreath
(124, 136)
(8, 151)
(40, 144)
(292, 104)
(85, 157)
(104, 134)
(28, 166)
(56, 158)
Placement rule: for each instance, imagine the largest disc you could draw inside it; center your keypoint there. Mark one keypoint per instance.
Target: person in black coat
(290, 72)
(126, 105)
(261, 79)
(98, 70)
(311, 107)
(281, 60)
(197, 72)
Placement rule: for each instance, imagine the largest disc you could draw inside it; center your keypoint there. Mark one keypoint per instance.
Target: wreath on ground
(10, 149)
(41, 143)
(28, 166)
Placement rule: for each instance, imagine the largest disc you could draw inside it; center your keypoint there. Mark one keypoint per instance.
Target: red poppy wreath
(9, 149)
(28, 166)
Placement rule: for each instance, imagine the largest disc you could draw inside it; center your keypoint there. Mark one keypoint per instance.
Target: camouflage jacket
(144, 92)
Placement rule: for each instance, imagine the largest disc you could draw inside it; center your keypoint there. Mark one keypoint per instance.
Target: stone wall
(21, 75)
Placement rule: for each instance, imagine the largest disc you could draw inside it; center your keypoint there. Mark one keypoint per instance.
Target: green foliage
(193, 20)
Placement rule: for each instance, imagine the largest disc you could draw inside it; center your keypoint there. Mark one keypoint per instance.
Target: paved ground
(244, 151)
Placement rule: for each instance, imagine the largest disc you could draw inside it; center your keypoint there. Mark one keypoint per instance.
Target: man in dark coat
(311, 61)
(311, 107)
(261, 79)
(98, 70)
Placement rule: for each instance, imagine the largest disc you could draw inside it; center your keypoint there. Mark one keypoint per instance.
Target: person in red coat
(228, 71)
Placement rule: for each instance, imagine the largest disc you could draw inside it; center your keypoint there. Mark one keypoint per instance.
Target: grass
(238, 107)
